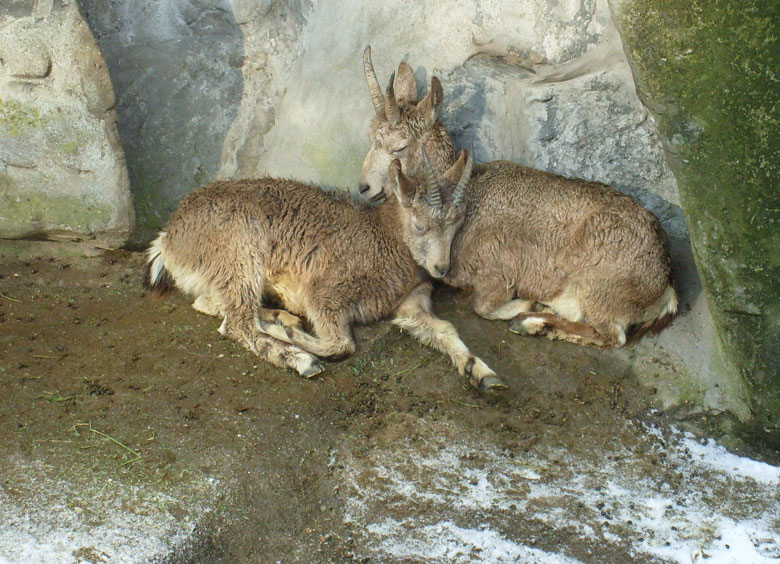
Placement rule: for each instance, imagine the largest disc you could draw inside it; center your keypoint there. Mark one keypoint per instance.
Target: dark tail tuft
(161, 285)
(156, 277)
(654, 326)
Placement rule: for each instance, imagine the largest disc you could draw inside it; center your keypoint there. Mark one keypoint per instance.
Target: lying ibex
(575, 257)
(334, 262)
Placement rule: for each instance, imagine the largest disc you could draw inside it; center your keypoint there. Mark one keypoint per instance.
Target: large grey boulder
(62, 170)
(176, 66)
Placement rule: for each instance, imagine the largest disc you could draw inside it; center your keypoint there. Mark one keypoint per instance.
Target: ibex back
(235, 243)
(575, 259)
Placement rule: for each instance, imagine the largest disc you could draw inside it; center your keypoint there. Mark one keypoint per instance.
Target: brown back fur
(541, 234)
(298, 243)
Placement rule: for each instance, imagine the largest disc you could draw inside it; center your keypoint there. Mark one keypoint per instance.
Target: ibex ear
(429, 107)
(405, 84)
(454, 173)
(402, 186)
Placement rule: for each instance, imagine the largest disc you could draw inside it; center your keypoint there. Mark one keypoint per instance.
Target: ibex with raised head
(576, 259)
(334, 262)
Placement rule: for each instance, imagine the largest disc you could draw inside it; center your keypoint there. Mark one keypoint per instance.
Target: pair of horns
(433, 183)
(385, 106)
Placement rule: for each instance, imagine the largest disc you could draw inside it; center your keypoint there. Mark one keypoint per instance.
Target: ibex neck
(389, 216)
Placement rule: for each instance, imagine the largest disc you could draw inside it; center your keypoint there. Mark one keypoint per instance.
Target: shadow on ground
(130, 431)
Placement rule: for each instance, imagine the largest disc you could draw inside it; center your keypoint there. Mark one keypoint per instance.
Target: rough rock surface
(176, 69)
(709, 72)
(544, 84)
(62, 170)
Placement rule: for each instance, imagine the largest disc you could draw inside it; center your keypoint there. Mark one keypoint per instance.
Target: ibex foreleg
(509, 310)
(415, 316)
(494, 301)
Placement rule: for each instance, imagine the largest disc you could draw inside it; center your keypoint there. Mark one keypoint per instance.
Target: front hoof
(492, 384)
(313, 369)
(482, 378)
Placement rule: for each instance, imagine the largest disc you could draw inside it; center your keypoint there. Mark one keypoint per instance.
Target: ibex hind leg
(205, 304)
(493, 300)
(283, 355)
(239, 300)
(555, 327)
(279, 316)
(332, 337)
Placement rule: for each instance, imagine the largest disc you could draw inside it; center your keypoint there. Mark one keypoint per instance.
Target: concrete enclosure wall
(241, 88)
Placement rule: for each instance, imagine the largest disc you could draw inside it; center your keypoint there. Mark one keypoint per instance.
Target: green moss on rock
(15, 117)
(710, 72)
(23, 212)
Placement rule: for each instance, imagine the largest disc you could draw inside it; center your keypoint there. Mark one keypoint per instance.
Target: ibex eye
(400, 150)
(417, 227)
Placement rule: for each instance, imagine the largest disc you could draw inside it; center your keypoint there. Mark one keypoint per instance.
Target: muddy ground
(131, 431)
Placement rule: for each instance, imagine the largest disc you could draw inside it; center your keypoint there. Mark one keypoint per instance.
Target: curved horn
(373, 84)
(433, 193)
(392, 111)
(460, 189)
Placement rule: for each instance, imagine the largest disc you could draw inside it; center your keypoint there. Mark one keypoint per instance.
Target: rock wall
(710, 73)
(543, 83)
(62, 171)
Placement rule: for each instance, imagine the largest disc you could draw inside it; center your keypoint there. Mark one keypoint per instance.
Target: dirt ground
(103, 389)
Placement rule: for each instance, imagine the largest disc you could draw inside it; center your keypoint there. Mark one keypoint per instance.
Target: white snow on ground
(107, 522)
(718, 458)
(674, 500)
(446, 542)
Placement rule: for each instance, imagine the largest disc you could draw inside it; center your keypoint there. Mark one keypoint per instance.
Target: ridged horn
(392, 111)
(460, 189)
(433, 193)
(373, 84)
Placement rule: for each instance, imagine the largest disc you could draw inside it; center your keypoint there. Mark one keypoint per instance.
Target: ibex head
(400, 128)
(432, 210)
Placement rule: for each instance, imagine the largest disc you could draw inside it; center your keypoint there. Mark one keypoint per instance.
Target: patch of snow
(674, 499)
(718, 458)
(447, 542)
(55, 522)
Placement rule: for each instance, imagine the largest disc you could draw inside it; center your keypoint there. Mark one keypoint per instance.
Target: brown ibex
(332, 261)
(576, 259)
